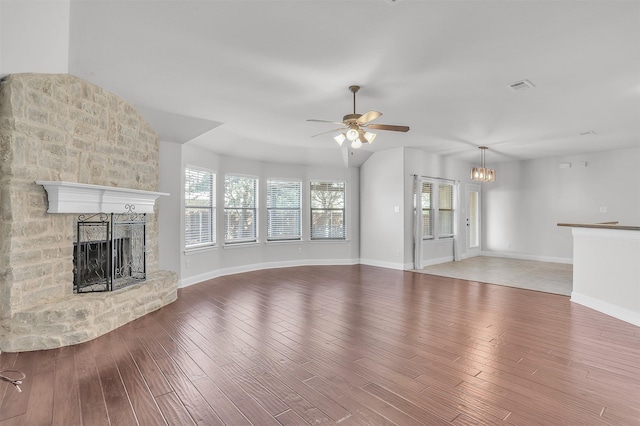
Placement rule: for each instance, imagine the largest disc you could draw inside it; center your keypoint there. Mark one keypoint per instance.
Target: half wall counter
(606, 268)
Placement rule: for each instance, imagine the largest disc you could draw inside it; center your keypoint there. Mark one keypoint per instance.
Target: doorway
(473, 219)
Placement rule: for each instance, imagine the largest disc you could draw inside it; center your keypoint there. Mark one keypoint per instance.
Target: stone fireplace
(61, 130)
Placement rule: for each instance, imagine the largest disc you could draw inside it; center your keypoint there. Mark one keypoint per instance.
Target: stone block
(40, 99)
(38, 115)
(48, 135)
(27, 257)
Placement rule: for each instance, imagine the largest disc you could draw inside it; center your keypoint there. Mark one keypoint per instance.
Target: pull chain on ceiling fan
(357, 125)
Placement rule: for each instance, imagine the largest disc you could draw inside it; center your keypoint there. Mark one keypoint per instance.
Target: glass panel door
(473, 220)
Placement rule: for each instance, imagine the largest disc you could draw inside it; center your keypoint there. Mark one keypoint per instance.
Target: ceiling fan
(357, 125)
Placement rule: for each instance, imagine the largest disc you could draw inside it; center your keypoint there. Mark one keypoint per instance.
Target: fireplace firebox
(109, 252)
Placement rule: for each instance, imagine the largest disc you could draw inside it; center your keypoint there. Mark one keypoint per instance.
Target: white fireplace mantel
(71, 197)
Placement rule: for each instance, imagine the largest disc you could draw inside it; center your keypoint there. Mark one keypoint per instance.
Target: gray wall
(520, 211)
(522, 208)
(419, 162)
(200, 265)
(381, 194)
(34, 36)
(169, 207)
(387, 182)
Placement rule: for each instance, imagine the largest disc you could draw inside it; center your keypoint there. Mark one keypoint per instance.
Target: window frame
(441, 209)
(342, 209)
(253, 209)
(430, 216)
(436, 211)
(211, 207)
(297, 210)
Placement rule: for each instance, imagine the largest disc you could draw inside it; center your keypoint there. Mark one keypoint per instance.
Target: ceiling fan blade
(388, 127)
(329, 131)
(368, 116)
(324, 121)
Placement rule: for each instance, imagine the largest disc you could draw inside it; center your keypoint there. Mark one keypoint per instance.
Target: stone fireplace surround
(59, 128)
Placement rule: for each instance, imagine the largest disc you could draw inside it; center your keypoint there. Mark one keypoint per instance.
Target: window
(445, 210)
(240, 214)
(427, 210)
(199, 207)
(437, 209)
(283, 209)
(328, 210)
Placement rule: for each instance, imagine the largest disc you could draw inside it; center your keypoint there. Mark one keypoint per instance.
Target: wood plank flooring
(348, 345)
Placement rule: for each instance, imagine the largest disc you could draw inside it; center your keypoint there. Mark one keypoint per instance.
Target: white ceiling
(261, 68)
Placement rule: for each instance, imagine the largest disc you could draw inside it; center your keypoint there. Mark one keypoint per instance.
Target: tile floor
(549, 277)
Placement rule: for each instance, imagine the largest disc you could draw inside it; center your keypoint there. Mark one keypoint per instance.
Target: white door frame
(473, 249)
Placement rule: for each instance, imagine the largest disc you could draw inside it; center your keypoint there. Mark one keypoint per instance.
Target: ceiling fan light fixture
(352, 134)
(370, 137)
(357, 125)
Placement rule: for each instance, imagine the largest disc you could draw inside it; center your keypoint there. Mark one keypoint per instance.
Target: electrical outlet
(299, 250)
(188, 264)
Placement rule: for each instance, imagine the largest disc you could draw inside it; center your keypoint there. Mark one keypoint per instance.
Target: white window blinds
(284, 210)
(445, 209)
(437, 198)
(240, 209)
(328, 210)
(427, 210)
(199, 206)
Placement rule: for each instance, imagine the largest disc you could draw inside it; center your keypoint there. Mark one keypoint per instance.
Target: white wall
(34, 36)
(170, 208)
(196, 266)
(381, 193)
(522, 207)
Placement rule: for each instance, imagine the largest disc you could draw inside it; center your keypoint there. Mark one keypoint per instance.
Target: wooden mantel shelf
(605, 225)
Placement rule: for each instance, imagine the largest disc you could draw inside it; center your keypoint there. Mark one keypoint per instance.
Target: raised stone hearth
(59, 128)
(82, 317)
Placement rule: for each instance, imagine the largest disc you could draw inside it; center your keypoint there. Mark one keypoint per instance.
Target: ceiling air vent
(521, 85)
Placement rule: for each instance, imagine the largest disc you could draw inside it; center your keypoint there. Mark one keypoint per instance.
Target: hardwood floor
(349, 345)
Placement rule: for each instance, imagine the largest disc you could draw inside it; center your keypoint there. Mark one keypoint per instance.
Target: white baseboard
(195, 279)
(623, 314)
(522, 256)
(185, 282)
(382, 264)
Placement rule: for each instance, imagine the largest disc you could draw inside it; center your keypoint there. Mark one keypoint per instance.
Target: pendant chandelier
(483, 173)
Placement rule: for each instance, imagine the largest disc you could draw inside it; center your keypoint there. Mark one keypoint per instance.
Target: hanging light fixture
(357, 137)
(483, 173)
